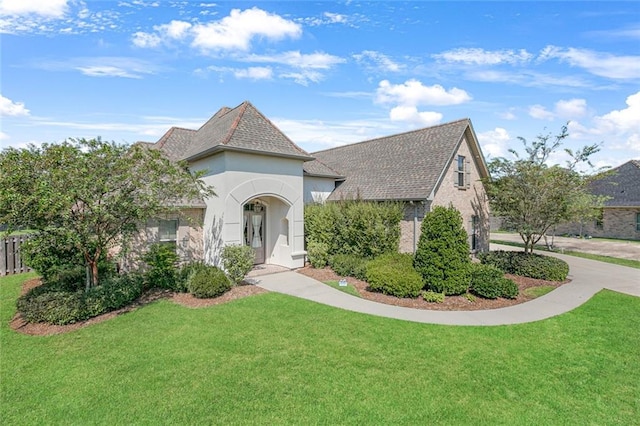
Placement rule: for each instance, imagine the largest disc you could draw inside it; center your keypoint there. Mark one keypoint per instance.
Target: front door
(254, 226)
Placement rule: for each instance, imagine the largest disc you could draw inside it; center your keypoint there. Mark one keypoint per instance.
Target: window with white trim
(461, 176)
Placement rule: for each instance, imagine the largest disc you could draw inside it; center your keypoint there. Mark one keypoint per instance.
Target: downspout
(415, 226)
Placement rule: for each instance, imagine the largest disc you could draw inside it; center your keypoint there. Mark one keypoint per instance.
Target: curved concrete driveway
(588, 278)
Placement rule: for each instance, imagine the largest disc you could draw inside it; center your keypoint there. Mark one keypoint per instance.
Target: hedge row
(49, 303)
(530, 265)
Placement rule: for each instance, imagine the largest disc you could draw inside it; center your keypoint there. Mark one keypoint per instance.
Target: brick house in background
(620, 216)
(262, 181)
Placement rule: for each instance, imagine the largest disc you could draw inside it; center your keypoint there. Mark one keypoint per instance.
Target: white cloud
(624, 120)
(599, 63)
(477, 56)
(46, 8)
(254, 73)
(12, 109)
(494, 143)
(571, 109)
(413, 93)
(104, 66)
(541, 113)
(317, 60)
(507, 115)
(174, 30)
(330, 18)
(3, 136)
(303, 77)
(146, 40)
(377, 61)
(410, 114)
(236, 31)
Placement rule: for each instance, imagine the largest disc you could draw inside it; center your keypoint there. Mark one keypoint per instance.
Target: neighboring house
(262, 181)
(620, 215)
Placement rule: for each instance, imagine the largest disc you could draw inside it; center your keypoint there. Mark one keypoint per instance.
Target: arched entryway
(266, 229)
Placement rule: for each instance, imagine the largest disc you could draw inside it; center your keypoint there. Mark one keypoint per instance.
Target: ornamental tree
(532, 196)
(95, 194)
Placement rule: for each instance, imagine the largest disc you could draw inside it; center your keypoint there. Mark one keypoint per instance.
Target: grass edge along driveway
(275, 359)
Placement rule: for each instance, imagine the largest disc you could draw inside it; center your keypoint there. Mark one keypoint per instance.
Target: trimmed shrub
(442, 256)
(362, 228)
(209, 282)
(433, 297)
(530, 265)
(393, 274)
(185, 273)
(489, 282)
(318, 254)
(162, 263)
(509, 289)
(349, 265)
(237, 261)
(48, 303)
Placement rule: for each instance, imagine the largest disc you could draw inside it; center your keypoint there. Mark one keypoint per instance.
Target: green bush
(162, 266)
(362, 228)
(49, 303)
(442, 255)
(393, 274)
(54, 256)
(489, 282)
(237, 261)
(209, 282)
(318, 254)
(509, 289)
(433, 297)
(530, 265)
(349, 265)
(185, 273)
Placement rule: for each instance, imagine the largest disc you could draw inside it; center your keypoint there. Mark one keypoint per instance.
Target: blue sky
(326, 73)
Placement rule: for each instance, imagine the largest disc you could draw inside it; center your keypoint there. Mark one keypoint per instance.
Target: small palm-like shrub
(433, 297)
(237, 261)
(162, 263)
(209, 282)
(530, 265)
(393, 274)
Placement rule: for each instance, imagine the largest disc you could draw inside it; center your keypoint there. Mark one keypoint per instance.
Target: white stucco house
(263, 180)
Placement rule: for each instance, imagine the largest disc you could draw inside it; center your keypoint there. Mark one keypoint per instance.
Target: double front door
(254, 227)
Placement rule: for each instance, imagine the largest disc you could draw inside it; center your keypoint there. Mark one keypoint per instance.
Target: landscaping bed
(184, 299)
(451, 303)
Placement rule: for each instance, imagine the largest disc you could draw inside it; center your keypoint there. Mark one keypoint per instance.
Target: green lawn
(274, 359)
(349, 289)
(608, 259)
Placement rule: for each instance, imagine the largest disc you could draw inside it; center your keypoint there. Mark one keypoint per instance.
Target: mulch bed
(451, 303)
(185, 299)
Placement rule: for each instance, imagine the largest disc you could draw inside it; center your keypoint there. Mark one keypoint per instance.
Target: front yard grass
(275, 359)
(349, 289)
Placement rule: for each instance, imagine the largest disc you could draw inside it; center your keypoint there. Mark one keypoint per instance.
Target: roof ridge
(234, 125)
(395, 135)
(300, 150)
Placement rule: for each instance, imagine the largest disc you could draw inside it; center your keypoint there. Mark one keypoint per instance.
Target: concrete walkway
(588, 277)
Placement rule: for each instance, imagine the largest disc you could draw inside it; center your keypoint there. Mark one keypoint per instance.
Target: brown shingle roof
(241, 128)
(621, 184)
(318, 168)
(407, 166)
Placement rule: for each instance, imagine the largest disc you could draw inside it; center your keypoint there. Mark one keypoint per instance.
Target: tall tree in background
(532, 196)
(92, 194)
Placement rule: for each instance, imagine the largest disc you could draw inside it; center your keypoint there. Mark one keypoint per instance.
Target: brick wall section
(616, 223)
(407, 225)
(470, 201)
(189, 238)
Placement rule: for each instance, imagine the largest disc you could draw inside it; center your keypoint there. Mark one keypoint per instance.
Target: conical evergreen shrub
(442, 255)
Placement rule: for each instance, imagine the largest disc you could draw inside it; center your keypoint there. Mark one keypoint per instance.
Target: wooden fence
(10, 259)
